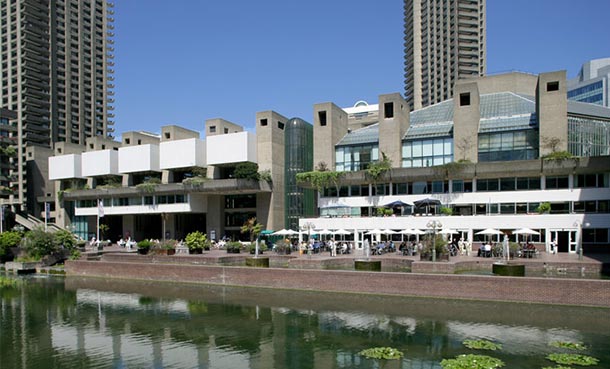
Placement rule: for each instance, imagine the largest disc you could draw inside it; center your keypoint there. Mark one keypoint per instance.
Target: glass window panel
(148, 200)
(339, 154)
(481, 185)
(534, 183)
(419, 188)
(519, 139)
(507, 184)
(507, 141)
(427, 148)
(437, 187)
(437, 147)
(603, 206)
(457, 185)
(355, 191)
(495, 142)
(468, 186)
(483, 142)
(492, 185)
(522, 183)
(590, 206)
(417, 149)
(493, 208)
(438, 160)
(508, 208)
(579, 206)
(417, 163)
(448, 143)
(375, 154)
(562, 182)
(180, 199)
(406, 150)
(521, 208)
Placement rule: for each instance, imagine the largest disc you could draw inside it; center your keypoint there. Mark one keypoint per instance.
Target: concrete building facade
(486, 156)
(57, 59)
(592, 84)
(444, 41)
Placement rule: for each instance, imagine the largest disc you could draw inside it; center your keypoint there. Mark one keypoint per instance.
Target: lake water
(54, 322)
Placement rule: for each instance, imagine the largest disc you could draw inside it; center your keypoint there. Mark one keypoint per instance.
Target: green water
(52, 322)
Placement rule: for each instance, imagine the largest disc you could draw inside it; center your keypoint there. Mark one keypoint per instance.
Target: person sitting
(121, 242)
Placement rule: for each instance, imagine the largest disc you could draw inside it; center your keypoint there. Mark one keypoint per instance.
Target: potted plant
(167, 247)
(197, 242)
(144, 246)
(233, 247)
(282, 247)
(261, 248)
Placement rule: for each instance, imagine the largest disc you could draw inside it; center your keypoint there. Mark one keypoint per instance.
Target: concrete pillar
(215, 216)
(393, 125)
(270, 146)
(552, 110)
(466, 117)
(329, 127)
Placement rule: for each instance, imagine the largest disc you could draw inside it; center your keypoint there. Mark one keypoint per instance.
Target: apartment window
(212, 129)
(226, 130)
(322, 117)
(103, 147)
(280, 125)
(127, 141)
(263, 122)
(388, 110)
(465, 99)
(552, 86)
(167, 135)
(553, 183)
(139, 142)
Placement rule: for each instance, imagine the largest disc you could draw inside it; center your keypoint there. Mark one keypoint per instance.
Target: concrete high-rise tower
(56, 72)
(444, 41)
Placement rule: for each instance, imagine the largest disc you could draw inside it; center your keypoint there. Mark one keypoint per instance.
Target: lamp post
(580, 225)
(434, 224)
(308, 226)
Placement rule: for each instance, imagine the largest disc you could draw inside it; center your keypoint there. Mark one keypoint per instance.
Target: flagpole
(46, 215)
(98, 220)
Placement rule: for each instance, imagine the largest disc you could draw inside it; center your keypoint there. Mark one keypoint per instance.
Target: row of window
(599, 180)
(133, 201)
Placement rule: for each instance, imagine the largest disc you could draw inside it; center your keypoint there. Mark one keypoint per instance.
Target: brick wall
(538, 290)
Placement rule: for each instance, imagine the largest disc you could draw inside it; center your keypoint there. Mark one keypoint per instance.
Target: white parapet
(140, 158)
(65, 167)
(100, 163)
(231, 148)
(182, 154)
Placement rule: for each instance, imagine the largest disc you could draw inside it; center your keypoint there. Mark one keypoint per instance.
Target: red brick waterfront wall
(496, 288)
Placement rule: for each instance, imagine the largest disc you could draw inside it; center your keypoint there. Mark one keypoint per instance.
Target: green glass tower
(299, 202)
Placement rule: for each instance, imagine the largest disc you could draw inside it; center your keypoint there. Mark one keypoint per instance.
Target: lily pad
(472, 362)
(388, 353)
(482, 345)
(569, 345)
(569, 359)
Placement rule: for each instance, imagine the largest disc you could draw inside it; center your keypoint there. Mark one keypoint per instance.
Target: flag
(100, 208)
(47, 210)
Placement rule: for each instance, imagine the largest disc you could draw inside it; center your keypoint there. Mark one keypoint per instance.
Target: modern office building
(57, 77)
(486, 156)
(444, 42)
(167, 185)
(592, 84)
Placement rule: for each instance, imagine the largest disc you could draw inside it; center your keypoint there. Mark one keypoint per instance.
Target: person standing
(333, 247)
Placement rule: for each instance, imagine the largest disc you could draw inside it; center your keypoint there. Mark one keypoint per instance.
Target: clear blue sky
(184, 61)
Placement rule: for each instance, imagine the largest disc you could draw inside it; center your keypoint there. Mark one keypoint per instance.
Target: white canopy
(490, 231)
(448, 231)
(342, 231)
(526, 231)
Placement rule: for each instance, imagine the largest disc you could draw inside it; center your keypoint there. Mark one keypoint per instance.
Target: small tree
(64, 239)
(39, 243)
(104, 228)
(246, 170)
(7, 240)
(196, 240)
(377, 169)
(253, 227)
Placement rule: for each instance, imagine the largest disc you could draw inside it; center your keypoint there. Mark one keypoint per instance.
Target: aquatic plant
(472, 362)
(568, 345)
(8, 282)
(482, 345)
(386, 353)
(569, 359)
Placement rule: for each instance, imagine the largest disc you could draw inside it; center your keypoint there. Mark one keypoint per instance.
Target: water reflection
(114, 324)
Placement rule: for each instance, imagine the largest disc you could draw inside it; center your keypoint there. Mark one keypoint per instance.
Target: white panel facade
(100, 163)
(231, 148)
(182, 154)
(65, 167)
(141, 158)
